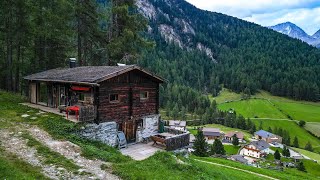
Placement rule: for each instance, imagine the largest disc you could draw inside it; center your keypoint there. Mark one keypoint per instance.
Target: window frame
(114, 101)
(146, 98)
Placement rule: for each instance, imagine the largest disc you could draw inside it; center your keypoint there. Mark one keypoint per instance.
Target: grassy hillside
(292, 127)
(254, 108)
(286, 174)
(313, 127)
(268, 106)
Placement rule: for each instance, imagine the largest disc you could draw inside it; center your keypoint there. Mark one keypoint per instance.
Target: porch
(71, 117)
(141, 151)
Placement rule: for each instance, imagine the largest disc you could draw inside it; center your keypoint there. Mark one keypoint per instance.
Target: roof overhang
(67, 82)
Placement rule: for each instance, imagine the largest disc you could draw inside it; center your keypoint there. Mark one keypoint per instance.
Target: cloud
(304, 13)
(244, 8)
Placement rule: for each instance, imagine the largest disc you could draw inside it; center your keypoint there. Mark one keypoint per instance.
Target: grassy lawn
(286, 174)
(312, 167)
(231, 150)
(313, 127)
(226, 95)
(11, 167)
(311, 155)
(254, 108)
(293, 128)
(164, 166)
(300, 111)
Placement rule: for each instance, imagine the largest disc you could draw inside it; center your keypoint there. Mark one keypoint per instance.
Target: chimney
(72, 62)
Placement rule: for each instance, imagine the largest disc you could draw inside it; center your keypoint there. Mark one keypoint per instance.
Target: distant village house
(267, 136)
(256, 149)
(211, 133)
(230, 135)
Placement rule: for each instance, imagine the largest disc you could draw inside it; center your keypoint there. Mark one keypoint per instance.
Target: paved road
(247, 171)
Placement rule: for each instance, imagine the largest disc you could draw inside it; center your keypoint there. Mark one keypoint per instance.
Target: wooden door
(130, 130)
(33, 93)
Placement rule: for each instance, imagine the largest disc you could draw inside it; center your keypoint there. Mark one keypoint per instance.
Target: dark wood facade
(130, 107)
(121, 94)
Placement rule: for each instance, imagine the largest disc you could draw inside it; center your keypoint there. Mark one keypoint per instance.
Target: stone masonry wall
(104, 132)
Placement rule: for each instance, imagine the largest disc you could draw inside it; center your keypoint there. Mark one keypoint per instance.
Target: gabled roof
(238, 134)
(264, 134)
(87, 74)
(211, 131)
(178, 123)
(261, 145)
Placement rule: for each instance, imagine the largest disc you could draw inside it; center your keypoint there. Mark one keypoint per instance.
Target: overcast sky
(304, 13)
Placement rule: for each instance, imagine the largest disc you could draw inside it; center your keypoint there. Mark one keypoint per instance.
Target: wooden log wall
(128, 86)
(87, 113)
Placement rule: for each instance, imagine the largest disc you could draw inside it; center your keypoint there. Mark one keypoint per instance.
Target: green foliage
(200, 145)
(11, 167)
(302, 123)
(217, 148)
(301, 167)
(277, 155)
(235, 140)
(296, 142)
(286, 152)
(308, 147)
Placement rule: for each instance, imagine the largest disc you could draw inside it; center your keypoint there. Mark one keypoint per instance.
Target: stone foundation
(104, 132)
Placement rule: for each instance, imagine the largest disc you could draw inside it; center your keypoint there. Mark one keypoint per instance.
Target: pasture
(254, 108)
(313, 127)
(293, 129)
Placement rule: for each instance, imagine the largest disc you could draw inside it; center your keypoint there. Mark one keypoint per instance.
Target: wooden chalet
(123, 94)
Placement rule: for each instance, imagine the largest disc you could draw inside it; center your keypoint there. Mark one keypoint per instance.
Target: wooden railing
(87, 113)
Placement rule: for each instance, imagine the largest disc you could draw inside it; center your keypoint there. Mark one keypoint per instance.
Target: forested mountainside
(203, 50)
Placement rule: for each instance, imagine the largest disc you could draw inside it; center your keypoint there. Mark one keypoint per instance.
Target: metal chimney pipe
(72, 62)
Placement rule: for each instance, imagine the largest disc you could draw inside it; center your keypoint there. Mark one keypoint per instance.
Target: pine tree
(286, 151)
(308, 146)
(277, 155)
(301, 167)
(295, 142)
(269, 129)
(253, 129)
(217, 148)
(235, 140)
(200, 145)
(260, 125)
(125, 41)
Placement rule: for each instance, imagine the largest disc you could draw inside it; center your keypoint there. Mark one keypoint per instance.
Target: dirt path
(12, 142)
(247, 171)
(72, 151)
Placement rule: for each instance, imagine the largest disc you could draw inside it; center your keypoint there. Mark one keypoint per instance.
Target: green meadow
(254, 108)
(293, 128)
(313, 127)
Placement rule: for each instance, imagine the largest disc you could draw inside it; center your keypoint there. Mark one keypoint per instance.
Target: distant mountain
(295, 31)
(317, 36)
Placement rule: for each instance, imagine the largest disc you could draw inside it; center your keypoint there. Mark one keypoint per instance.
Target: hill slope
(203, 49)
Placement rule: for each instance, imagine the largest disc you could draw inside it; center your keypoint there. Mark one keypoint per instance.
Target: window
(144, 95)
(114, 98)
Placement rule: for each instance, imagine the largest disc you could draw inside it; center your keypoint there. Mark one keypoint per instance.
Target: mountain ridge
(294, 31)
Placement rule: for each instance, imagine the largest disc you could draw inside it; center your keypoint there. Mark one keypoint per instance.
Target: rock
(33, 118)
(25, 115)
